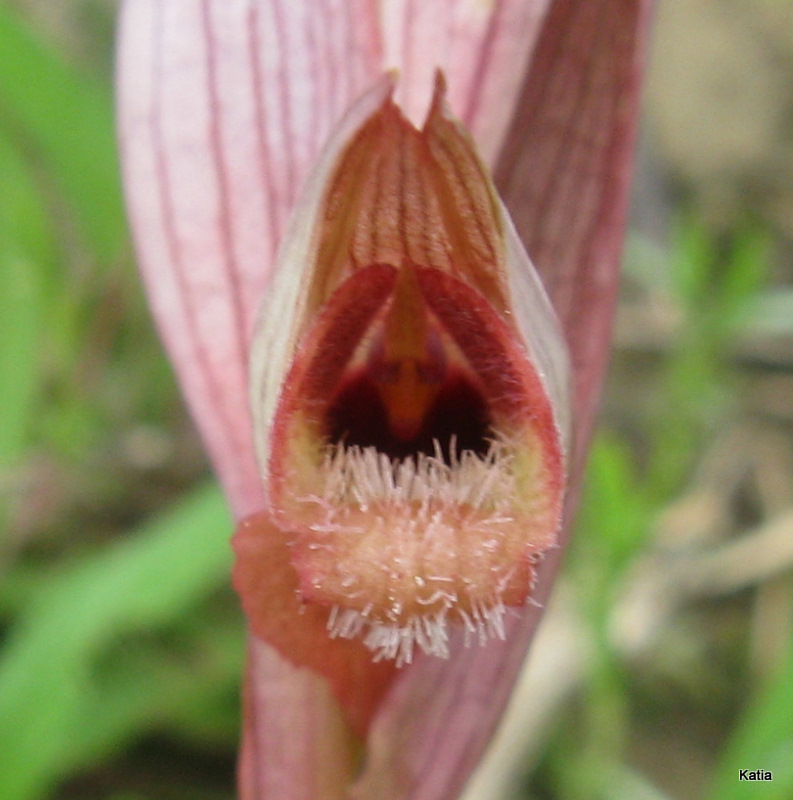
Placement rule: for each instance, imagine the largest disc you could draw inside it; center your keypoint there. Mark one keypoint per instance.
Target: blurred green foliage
(78, 678)
(715, 286)
(112, 634)
(120, 635)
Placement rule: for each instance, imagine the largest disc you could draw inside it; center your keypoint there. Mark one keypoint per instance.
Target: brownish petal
(268, 586)
(565, 168)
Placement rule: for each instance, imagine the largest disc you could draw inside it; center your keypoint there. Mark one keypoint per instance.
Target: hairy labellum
(409, 398)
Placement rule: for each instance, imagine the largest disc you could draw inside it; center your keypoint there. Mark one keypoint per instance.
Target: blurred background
(665, 662)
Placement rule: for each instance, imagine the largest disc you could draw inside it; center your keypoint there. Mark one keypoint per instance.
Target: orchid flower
(322, 236)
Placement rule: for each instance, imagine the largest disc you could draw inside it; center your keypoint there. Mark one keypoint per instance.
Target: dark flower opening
(358, 415)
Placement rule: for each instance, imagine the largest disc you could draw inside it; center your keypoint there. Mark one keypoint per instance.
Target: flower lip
(394, 528)
(412, 455)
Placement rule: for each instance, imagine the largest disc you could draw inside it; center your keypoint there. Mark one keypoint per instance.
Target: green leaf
(25, 228)
(65, 119)
(692, 256)
(762, 740)
(47, 676)
(18, 355)
(19, 323)
(614, 512)
(26, 252)
(745, 272)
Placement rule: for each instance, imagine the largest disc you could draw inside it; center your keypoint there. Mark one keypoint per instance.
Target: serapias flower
(224, 109)
(409, 397)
